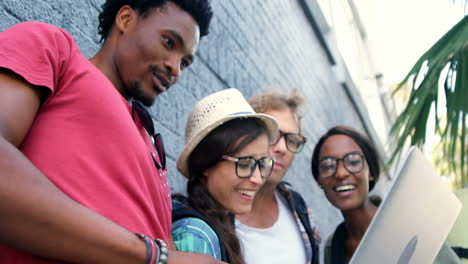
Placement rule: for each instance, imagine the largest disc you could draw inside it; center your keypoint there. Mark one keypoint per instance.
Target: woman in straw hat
(226, 162)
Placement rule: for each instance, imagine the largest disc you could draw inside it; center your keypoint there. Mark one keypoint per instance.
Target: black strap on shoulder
(338, 245)
(301, 210)
(461, 252)
(185, 211)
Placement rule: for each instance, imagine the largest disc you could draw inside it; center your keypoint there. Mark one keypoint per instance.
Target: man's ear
(124, 18)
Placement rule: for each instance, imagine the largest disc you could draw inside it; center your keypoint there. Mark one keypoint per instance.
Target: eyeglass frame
(147, 122)
(252, 168)
(286, 135)
(363, 159)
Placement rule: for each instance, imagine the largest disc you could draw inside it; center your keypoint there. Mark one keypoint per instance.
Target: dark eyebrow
(244, 157)
(352, 152)
(181, 41)
(177, 36)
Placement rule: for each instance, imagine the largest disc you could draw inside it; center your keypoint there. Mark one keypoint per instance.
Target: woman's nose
(341, 171)
(256, 176)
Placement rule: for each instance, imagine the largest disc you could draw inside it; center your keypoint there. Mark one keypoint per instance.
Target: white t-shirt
(280, 243)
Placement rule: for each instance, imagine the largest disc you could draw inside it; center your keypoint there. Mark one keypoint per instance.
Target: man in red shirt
(79, 175)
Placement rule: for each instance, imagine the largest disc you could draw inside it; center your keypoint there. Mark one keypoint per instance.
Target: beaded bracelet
(163, 254)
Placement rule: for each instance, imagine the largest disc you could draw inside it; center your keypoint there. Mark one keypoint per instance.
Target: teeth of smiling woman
(247, 193)
(345, 188)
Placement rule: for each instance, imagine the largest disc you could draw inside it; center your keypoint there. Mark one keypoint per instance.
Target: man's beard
(138, 94)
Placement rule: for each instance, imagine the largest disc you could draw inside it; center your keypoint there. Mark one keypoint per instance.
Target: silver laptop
(414, 219)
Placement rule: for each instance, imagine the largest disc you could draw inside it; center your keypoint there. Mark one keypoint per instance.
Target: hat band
(241, 113)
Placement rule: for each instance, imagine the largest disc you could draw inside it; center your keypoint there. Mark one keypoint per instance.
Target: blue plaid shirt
(194, 235)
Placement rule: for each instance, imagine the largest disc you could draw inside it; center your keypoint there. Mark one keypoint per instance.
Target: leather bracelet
(149, 247)
(163, 254)
(155, 256)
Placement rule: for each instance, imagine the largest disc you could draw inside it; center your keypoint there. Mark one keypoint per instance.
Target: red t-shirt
(83, 137)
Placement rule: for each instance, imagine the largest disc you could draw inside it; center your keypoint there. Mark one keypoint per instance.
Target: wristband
(149, 247)
(155, 256)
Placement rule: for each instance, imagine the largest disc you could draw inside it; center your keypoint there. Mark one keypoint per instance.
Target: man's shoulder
(283, 186)
(37, 28)
(286, 191)
(42, 35)
(294, 200)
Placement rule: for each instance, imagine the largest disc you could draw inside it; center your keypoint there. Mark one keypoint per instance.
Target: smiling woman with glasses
(346, 165)
(226, 162)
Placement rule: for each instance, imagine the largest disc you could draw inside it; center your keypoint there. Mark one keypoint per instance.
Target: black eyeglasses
(147, 123)
(245, 166)
(353, 162)
(294, 142)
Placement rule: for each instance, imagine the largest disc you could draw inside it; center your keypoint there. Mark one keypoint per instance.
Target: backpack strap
(338, 245)
(301, 210)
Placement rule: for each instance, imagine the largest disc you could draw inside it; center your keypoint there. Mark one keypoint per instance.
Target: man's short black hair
(200, 10)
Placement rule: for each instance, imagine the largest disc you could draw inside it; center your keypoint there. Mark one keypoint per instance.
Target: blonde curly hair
(273, 99)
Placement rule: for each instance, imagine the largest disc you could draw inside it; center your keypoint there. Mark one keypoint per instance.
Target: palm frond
(449, 54)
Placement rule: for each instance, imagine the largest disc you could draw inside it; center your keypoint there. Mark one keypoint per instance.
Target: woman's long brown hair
(226, 139)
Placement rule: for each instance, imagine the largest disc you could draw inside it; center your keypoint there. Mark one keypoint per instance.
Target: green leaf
(450, 51)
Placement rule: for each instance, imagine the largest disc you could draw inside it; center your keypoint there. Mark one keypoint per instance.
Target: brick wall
(252, 44)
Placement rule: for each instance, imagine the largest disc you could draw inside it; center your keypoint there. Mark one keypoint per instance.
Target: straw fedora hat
(211, 112)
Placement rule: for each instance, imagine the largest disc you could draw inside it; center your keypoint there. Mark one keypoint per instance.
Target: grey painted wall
(252, 44)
